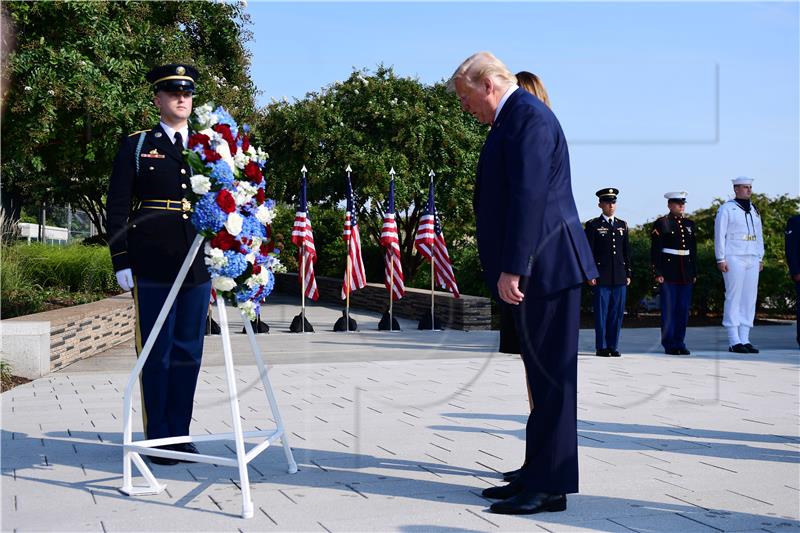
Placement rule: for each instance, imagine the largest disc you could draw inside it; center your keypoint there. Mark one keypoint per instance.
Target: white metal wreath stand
(132, 450)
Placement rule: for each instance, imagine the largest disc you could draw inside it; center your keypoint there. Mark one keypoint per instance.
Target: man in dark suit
(673, 254)
(792, 242)
(608, 239)
(535, 258)
(150, 233)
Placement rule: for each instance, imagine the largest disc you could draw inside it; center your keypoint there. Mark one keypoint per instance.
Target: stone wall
(465, 312)
(75, 332)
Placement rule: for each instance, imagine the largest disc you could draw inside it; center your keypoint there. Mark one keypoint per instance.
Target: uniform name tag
(154, 156)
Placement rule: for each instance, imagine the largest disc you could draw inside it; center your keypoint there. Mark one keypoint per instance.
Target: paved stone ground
(401, 432)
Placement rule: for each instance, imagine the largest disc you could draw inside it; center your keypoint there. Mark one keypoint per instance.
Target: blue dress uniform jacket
(151, 242)
(611, 250)
(674, 234)
(527, 224)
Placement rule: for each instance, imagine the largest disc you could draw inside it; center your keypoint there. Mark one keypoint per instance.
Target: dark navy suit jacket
(527, 222)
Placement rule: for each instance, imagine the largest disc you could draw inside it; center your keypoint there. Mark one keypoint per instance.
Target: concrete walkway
(401, 432)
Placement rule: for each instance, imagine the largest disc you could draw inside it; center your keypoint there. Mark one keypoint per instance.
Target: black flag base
(425, 322)
(258, 326)
(212, 328)
(344, 325)
(383, 325)
(301, 325)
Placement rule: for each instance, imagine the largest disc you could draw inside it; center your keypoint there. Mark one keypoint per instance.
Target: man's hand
(592, 282)
(660, 279)
(722, 266)
(125, 279)
(627, 281)
(508, 287)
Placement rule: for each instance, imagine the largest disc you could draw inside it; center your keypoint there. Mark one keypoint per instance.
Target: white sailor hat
(676, 196)
(742, 180)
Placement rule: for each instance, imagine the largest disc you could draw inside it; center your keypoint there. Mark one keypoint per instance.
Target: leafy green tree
(373, 122)
(76, 85)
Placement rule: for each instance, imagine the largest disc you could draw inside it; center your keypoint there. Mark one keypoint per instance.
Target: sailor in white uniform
(739, 248)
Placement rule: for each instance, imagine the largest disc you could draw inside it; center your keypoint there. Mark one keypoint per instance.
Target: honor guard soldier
(792, 243)
(673, 255)
(150, 233)
(608, 239)
(739, 248)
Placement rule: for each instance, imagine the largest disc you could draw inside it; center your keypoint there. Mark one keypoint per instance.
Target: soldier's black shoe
(738, 348)
(501, 493)
(615, 353)
(162, 460)
(529, 502)
(684, 351)
(672, 351)
(751, 348)
(603, 353)
(511, 475)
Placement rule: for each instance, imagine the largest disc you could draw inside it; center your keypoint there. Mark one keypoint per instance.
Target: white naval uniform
(738, 240)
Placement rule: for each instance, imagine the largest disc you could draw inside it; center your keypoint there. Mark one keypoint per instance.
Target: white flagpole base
(132, 450)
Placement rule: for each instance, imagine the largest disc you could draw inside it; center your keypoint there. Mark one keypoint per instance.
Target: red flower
(256, 269)
(266, 248)
(209, 156)
(253, 173)
(225, 131)
(260, 197)
(226, 202)
(245, 143)
(224, 240)
(199, 138)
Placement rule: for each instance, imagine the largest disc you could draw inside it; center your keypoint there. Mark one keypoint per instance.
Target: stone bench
(38, 344)
(464, 313)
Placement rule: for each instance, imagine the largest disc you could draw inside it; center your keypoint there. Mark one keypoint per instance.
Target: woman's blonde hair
(533, 84)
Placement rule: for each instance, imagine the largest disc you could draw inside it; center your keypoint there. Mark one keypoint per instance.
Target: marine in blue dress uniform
(608, 238)
(792, 242)
(150, 233)
(673, 255)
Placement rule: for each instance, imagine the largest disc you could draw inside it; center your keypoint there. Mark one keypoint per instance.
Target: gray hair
(480, 66)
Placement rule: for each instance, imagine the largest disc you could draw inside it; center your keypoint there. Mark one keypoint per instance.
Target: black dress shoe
(738, 348)
(185, 447)
(501, 493)
(615, 353)
(684, 351)
(162, 460)
(528, 502)
(511, 475)
(603, 353)
(751, 348)
(672, 351)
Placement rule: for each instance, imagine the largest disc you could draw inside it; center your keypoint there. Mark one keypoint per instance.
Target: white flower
(264, 214)
(215, 258)
(240, 160)
(234, 223)
(244, 192)
(256, 244)
(248, 308)
(259, 279)
(223, 283)
(51, 92)
(277, 266)
(355, 91)
(200, 184)
(28, 88)
(250, 258)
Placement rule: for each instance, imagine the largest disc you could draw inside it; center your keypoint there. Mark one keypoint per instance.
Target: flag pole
(303, 291)
(347, 291)
(433, 279)
(391, 288)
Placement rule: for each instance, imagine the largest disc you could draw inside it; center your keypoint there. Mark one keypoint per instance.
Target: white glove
(125, 279)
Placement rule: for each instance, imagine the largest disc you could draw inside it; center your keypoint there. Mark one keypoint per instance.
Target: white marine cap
(676, 195)
(742, 180)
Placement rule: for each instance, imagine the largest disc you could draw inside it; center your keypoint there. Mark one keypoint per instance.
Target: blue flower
(225, 118)
(222, 173)
(236, 264)
(207, 215)
(253, 228)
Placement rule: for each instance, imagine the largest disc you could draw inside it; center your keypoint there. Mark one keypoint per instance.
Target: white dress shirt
(503, 100)
(184, 131)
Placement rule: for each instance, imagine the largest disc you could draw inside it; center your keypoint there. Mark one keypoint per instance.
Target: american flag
(429, 242)
(303, 238)
(390, 241)
(351, 235)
